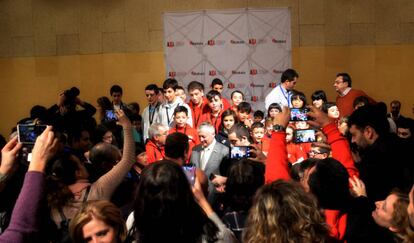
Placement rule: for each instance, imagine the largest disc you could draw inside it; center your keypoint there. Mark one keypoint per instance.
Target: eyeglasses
(149, 95)
(313, 153)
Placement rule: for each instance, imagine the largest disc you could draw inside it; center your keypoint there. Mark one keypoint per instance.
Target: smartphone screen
(305, 136)
(238, 152)
(190, 172)
(298, 114)
(27, 134)
(110, 115)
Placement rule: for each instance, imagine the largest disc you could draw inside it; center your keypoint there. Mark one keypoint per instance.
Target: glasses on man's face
(149, 95)
(314, 152)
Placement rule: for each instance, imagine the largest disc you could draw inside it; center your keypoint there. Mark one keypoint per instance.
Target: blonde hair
(283, 212)
(100, 210)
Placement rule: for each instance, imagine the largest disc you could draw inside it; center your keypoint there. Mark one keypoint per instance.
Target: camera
(305, 136)
(298, 114)
(70, 96)
(27, 133)
(239, 152)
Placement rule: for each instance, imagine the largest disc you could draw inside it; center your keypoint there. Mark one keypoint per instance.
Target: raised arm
(107, 183)
(25, 220)
(339, 145)
(277, 161)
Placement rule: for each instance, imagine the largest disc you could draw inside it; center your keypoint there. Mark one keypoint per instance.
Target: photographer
(64, 114)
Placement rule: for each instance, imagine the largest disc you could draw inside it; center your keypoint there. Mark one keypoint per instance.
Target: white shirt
(346, 91)
(148, 118)
(206, 154)
(278, 95)
(165, 112)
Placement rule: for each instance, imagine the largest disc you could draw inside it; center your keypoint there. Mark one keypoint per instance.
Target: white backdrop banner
(248, 49)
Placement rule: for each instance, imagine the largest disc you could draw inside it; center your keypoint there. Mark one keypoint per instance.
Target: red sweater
(214, 120)
(277, 168)
(345, 103)
(197, 111)
(154, 153)
(295, 152)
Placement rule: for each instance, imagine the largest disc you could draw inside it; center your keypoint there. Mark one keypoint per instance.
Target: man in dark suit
(208, 154)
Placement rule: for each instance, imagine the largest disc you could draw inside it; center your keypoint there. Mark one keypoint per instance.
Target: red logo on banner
(272, 85)
(172, 74)
(278, 41)
(255, 98)
(210, 42)
(212, 73)
(252, 41)
(231, 86)
(253, 71)
(277, 71)
(170, 43)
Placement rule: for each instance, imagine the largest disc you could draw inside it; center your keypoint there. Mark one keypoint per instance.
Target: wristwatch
(278, 128)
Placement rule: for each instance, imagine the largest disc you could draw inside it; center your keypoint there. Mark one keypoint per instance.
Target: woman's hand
(44, 148)
(358, 187)
(122, 118)
(8, 156)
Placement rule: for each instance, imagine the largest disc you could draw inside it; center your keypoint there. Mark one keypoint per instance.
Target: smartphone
(110, 115)
(305, 136)
(27, 134)
(299, 114)
(239, 152)
(190, 172)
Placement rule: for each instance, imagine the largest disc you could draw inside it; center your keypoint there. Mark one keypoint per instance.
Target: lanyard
(151, 114)
(285, 95)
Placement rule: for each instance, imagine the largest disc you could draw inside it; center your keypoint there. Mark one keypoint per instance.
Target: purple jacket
(25, 220)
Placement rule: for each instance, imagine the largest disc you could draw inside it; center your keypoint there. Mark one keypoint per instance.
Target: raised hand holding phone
(44, 148)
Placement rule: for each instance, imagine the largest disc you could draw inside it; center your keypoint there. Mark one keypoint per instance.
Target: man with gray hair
(209, 154)
(157, 133)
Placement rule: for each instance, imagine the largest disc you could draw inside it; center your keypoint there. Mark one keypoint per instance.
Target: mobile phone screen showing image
(110, 115)
(27, 134)
(305, 136)
(298, 114)
(238, 152)
(190, 172)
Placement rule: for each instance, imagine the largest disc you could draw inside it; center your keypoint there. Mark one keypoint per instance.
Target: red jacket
(154, 153)
(214, 120)
(295, 152)
(198, 111)
(277, 168)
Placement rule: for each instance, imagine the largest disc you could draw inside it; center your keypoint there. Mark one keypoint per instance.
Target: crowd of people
(196, 167)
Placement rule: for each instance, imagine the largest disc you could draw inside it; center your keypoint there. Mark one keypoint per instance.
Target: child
(269, 127)
(298, 100)
(236, 98)
(294, 151)
(273, 110)
(228, 119)
(332, 110)
(260, 141)
(164, 114)
(213, 115)
(217, 85)
(180, 125)
(180, 92)
(318, 98)
(258, 116)
(243, 113)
